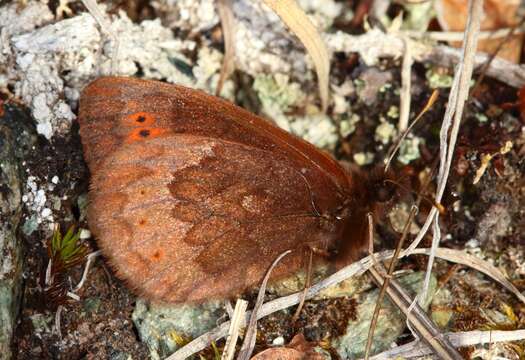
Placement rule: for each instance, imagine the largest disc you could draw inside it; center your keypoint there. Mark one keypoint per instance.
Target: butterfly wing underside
(186, 214)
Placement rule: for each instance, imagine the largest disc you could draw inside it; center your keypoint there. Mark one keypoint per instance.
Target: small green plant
(64, 251)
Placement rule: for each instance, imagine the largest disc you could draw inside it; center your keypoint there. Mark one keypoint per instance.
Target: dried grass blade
(105, 26)
(461, 257)
(467, 338)
(295, 18)
(417, 318)
(237, 321)
(225, 10)
(251, 331)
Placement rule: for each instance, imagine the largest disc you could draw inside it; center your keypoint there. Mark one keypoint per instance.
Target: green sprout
(66, 250)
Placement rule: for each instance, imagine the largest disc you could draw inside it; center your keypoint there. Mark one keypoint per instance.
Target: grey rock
(165, 328)
(16, 138)
(390, 324)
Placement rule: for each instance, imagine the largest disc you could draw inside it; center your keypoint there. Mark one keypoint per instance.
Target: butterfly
(192, 198)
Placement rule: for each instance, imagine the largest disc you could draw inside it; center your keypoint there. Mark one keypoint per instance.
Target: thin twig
(57, 321)
(418, 320)
(251, 331)
(492, 56)
(458, 35)
(403, 135)
(388, 276)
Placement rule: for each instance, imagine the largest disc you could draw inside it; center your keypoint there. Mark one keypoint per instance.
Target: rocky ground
(49, 52)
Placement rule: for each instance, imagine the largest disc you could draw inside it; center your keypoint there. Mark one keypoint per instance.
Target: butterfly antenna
(316, 212)
(427, 107)
(432, 202)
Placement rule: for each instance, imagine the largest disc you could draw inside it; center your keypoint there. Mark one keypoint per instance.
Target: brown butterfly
(192, 197)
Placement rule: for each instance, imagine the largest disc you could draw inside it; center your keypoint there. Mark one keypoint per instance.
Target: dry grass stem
(251, 331)
(105, 26)
(225, 10)
(90, 258)
(406, 85)
(417, 319)
(236, 322)
(458, 35)
(455, 106)
(386, 281)
(295, 18)
(418, 349)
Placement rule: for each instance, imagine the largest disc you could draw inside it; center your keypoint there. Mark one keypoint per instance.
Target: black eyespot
(144, 133)
(141, 119)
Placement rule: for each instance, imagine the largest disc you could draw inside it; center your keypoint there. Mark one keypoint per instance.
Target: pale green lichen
(363, 158)
(385, 87)
(409, 150)
(317, 129)
(277, 95)
(385, 132)
(164, 328)
(347, 126)
(207, 72)
(482, 118)
(277, 92)
(418, 15)
(393, 112)
(42, 323)
(438, 80)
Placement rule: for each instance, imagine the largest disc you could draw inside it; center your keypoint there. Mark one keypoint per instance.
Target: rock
(16, 138)
(166, 328)
(390, 324)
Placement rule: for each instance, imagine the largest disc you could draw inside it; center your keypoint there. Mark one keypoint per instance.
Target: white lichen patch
(277, 95)
(73, 47)
(339, 97)
(317, 129)
(188, 15)
(264, 44)
(152, 49)
(207, 73)
(36, 201)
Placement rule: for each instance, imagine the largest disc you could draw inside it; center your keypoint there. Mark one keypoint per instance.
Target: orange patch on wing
(140, 118)
(157, 255)
(145, 133)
